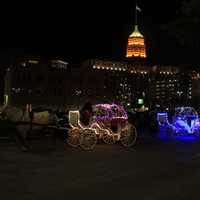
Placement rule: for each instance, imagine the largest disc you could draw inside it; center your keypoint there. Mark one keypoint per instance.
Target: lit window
(33, 61)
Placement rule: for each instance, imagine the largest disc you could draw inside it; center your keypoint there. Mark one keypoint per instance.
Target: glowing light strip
(109, 112)
(164, 114)
(102, 129)
(92, 126)
(82, 127)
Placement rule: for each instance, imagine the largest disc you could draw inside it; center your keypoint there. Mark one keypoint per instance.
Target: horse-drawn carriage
(109, 123)
(185, 121)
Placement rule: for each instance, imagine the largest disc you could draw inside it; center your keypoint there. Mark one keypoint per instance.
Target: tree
(186, 27)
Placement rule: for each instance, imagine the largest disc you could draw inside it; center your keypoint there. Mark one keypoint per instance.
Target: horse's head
(12, 113)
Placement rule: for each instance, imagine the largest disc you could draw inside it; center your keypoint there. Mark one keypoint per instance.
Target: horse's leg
(52, 135)
(21, 135)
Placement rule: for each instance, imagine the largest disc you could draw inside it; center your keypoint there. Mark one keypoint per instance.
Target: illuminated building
(169, 86)
(127, 82)
(2, 74)
(37, 81)
(52, 82)
(195, 89)
(117, 81)
(136, 45)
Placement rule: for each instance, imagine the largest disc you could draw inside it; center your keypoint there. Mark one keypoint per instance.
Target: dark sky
(77, 30)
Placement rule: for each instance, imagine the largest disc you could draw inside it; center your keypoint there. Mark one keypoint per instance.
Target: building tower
(7, 87)
(136, 44)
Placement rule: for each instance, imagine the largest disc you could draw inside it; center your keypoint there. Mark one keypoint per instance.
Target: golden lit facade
(136, 45)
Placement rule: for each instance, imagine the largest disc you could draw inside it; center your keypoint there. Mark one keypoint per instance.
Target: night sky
(77, 30)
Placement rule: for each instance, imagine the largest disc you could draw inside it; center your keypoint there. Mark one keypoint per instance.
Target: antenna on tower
(137, 9)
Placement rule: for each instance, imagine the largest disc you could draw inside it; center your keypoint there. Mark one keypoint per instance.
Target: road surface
(152, 170)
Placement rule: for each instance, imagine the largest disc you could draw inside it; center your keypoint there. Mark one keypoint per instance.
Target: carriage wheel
(108, 138)
(128, 136)
(73, 137)
(88, 139)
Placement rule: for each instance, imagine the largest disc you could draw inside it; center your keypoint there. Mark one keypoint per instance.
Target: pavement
(154, 169)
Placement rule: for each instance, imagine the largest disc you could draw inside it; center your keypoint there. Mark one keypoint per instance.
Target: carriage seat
(162, 118)
(74, 120)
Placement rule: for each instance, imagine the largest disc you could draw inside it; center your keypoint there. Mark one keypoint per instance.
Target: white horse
(26, 121)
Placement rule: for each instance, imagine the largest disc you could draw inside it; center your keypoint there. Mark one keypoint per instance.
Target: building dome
(136, 45)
